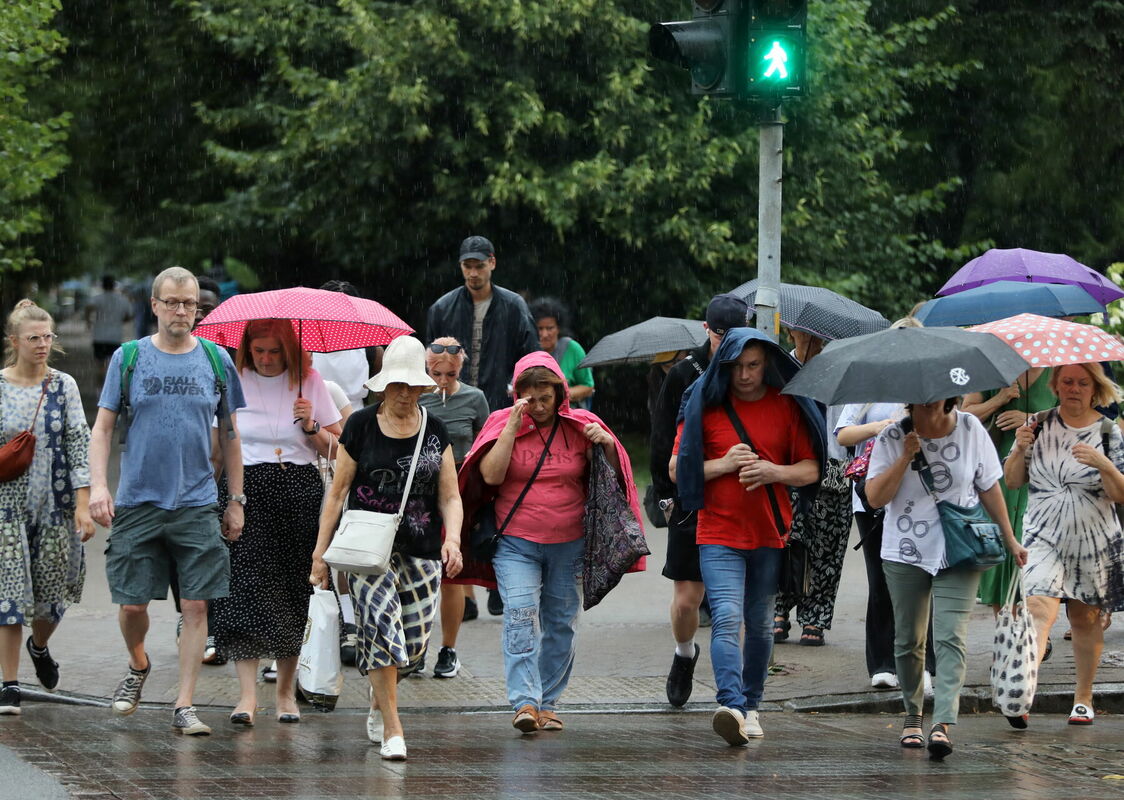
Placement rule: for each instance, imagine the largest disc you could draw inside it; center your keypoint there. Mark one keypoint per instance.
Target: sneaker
(752, 725)
(46, 668)
(127, 696)
(348, 644)
(10, 700)
(471, 611)
(495, 603)
(179, 630)
(730, 725)
(269, 674)
(414, 669)
(1081, 715)
(884, 680)
(927, 679)
(681, 678)
(184, 721)
(374, 726)
(448, 665)
(211, 653)
(393, 749)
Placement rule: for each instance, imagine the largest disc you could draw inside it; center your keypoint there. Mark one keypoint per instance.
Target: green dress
(995, 582)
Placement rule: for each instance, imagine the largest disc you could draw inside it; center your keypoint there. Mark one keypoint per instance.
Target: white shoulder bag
(364, 540)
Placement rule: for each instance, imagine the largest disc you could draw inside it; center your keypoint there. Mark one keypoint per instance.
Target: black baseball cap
(726, 311)
(476, 247)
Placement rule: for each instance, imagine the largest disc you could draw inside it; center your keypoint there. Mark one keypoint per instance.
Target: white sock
(347, 609)
(685, 649)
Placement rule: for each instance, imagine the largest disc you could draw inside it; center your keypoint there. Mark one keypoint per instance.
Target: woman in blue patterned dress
(1072, 458)
(44, 513)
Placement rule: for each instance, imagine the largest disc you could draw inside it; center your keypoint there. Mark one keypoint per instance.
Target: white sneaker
(752, 726)
(928, 679)
(884, 680)
(394, 749)
(730, 725)
(374, 726)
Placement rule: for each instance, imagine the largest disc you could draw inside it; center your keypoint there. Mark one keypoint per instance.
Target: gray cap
(477, 247)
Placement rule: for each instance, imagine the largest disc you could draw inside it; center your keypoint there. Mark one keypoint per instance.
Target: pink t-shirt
(551, 513)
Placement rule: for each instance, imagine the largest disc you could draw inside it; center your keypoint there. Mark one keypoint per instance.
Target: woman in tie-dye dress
(1071, 530)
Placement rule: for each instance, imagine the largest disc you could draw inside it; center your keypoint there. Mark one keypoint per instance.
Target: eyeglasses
(36, 339)
(173, 305)
(451, 349)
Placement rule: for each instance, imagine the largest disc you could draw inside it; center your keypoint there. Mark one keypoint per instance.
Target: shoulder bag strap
(535, 474)
(778, 520)
(694, 362)
(413, 463)
(42, 394)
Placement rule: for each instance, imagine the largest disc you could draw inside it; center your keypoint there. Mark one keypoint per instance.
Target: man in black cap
(725, 311)
(492, 323)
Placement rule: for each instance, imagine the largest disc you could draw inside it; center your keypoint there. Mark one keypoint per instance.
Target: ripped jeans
(542, 597)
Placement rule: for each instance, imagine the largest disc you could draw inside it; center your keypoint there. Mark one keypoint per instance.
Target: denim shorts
(145, 543)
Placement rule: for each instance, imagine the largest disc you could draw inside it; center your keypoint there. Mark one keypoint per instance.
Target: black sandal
(811, 636)
(939, 748)
(781, 628)
(912, 741)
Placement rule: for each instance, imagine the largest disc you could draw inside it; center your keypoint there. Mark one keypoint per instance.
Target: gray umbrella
(638, 343)
(819, 311)
(907, 365)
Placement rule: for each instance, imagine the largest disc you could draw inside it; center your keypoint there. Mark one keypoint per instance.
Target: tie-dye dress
(1071, 530)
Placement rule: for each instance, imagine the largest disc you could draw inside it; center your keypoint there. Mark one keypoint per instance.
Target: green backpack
(129, 352)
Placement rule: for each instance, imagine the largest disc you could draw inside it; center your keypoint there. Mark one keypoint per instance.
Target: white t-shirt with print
(963, 464)
(266, 423)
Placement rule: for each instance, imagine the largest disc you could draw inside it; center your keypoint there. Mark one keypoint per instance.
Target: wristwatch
(667, 503)
(238, 498)
(315, 429)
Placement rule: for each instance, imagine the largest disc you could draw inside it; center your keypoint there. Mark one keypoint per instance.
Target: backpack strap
(129, 351)
(694, 362)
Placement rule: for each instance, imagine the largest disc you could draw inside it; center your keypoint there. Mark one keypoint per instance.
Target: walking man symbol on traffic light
(776, 58)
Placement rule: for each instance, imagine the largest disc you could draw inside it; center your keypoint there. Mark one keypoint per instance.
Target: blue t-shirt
(167, 461)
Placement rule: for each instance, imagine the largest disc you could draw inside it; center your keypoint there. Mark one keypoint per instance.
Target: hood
(779, 371)
(541, 358)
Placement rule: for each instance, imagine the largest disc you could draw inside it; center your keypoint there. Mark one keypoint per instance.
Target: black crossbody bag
(485, 536)
(795, 576)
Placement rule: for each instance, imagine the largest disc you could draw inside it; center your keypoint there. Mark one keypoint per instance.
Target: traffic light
(707, 45)
(747, 49)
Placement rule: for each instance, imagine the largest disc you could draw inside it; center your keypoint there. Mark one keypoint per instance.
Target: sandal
(1048, 651)
(940, 743)
(912, 741)
(781, 627)
(811, 636)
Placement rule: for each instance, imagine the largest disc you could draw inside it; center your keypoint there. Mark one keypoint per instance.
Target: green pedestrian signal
(775, 63)
(776, 58)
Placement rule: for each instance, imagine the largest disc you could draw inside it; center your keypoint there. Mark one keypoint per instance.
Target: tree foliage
(31, 135)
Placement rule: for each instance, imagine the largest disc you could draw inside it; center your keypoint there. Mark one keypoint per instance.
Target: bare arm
(881, 488)
(101, 438)
(578, 393)
(233, 517)
(1014, 467)
(983, 409)
(452, 513)
(760, 472)
(493, 466)
(853, 434)
(738, 456)
(334, 500)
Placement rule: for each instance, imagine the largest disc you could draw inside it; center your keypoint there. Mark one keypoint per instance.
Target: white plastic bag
(319, 673)
(1014, 661)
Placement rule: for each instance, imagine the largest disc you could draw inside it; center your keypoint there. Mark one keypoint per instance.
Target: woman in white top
(287, 423)
(965, 471)
(1072, 458)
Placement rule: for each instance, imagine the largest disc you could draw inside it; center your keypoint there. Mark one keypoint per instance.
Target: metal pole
(771, 154)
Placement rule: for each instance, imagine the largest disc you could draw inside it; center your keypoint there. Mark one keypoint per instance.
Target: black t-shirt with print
(382, 466)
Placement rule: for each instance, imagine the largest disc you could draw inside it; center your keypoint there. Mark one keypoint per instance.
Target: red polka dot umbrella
(1047, 342)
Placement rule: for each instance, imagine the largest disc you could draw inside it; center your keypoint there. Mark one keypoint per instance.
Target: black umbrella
(820, 312)
(907, 365)
(638, 343)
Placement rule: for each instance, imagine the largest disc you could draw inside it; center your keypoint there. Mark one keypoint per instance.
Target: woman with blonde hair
(287, 423)
(1072, 457)
(44, 511)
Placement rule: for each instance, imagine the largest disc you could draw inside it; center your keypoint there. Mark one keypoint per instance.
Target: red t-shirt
(730, 515)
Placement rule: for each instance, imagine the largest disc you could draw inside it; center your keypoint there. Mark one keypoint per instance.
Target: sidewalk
(624, 645)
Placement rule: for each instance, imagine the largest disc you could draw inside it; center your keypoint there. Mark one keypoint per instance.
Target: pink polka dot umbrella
(1047, 342)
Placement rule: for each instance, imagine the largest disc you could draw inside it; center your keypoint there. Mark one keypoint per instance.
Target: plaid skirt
(394, 612)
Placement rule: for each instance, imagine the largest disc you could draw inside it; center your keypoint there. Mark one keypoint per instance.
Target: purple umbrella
(1031, 266)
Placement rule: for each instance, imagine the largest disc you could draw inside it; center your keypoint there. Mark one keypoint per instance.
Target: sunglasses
(451, 349)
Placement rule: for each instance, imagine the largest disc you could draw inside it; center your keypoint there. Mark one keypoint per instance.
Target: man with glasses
(164, 514)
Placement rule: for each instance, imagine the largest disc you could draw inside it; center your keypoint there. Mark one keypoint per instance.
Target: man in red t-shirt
(738, 528)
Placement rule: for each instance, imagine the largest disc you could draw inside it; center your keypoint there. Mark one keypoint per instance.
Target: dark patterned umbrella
(820, 312)
(638, 343)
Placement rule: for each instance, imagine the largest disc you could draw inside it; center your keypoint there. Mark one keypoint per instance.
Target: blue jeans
(542, 597)
(742, 587)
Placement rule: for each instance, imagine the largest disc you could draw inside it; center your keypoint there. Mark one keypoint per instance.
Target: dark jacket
(710, 390)
(509, 334)
(666, 412)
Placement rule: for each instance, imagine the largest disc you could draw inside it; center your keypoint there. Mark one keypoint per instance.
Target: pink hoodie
(475, 492)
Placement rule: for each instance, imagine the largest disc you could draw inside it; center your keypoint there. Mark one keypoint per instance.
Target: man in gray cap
(492, 323)
(725, 311)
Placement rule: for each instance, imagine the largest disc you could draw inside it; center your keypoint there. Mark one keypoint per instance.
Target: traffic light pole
(771, 166)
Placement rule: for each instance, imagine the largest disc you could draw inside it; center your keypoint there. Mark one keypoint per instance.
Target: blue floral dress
(42, 560)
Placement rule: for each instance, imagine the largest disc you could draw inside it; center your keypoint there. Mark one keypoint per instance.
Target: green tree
(31, 135)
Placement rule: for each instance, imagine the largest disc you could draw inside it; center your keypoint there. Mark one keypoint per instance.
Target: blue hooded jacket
(710, 390)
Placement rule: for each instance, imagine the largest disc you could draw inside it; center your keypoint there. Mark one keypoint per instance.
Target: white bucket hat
(403, 362)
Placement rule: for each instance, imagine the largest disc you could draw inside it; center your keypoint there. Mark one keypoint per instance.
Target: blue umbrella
(1002, 299)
